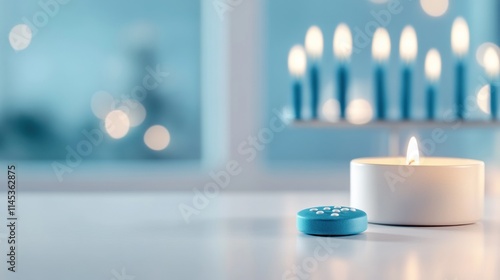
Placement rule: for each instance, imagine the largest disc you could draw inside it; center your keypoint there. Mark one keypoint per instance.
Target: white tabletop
(237, 236)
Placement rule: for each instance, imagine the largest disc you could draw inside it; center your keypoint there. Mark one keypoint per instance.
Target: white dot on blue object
(344, 223)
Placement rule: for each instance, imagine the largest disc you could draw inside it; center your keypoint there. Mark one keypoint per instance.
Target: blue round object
(331, 220)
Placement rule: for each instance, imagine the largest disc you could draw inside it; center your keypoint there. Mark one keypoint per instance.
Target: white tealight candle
(418, 191)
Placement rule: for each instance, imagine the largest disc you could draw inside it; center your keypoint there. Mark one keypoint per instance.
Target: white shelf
(397, 124)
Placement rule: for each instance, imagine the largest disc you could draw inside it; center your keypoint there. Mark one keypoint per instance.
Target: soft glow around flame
(297, 61)
(314, 42)
(460, 37)
(433, 65)
(342, 42)
(491, 63)
(381, 45)
(408, 44)
(412, 154)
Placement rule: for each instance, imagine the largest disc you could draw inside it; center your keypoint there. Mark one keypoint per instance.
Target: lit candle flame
(297, 61)
(491, 62)
(433, 65)
(408, 44)
(412, 154)
(460, 37)
(314, 42)
(381, 45)
(342, 42)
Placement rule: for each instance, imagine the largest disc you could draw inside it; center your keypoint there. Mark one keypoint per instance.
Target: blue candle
(432, 73)
(460, 89)
(314, 79)
(297, 99)
(492, 67)
(460, 46)
(406, 93)
(342, 77)
(493, 101)
(380, 92)
(431, 97)
(381, 50)
(342, 50)
(314, 50)
(297, 64)
(408, 49)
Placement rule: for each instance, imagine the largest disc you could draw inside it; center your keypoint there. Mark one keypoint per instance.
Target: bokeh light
(135, 112)
(359, 111)
(483, 99)
(331, 110)
(491, 62)
(435, 8)
(20, 37)
(117, 124)
(157, 138)
(481, 51)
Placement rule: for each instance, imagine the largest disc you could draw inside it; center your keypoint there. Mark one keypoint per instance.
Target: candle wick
(411, 161)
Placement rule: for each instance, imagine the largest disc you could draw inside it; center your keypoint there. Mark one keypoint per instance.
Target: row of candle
(381, 48)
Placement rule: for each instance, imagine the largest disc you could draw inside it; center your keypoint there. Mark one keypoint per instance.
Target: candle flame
(408, 44)
(491, 62)
(297, 61)
(381, 45)
(412, 154)
(342, 41)
(460, 37)
(433, 65)
(314, 42)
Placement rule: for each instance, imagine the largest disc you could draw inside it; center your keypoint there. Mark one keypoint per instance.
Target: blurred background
(81, 63)
(163, 94)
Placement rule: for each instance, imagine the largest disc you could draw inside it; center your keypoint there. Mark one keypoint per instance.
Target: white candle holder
(436, 192)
